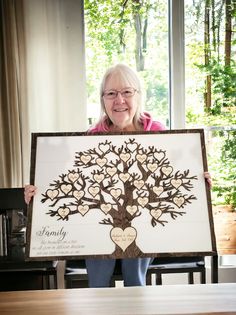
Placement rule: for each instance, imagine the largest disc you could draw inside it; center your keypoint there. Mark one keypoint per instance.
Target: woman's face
(121, 110)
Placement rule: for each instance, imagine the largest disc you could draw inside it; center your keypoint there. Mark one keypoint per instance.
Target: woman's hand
(208, 178)
(29, 192)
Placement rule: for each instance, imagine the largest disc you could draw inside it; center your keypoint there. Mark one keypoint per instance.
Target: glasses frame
(122, 93)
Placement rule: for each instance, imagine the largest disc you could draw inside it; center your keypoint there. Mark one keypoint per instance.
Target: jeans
(100, 271)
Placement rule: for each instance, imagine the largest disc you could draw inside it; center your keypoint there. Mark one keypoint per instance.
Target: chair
(167, 265)
(17, 273)
(76, 274)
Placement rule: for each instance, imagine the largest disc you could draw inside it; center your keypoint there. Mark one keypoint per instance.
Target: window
(131, 32)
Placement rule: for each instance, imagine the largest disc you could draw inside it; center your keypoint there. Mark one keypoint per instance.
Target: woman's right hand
(29, 192)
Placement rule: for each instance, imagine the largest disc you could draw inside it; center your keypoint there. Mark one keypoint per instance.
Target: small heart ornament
(156, 213)
(123, 238)
(85, 159)
(167, 170)
(158, 190)
(78, 194)
(139, 184)
(98, 178)
(141, 157)
(115, 192)
(66, 188)
(132, 209)
(176, 183)
(63, 212)
(179, 201)
(83, 209)
(124, 177)
(142, 201)
(101, 162)
(111, 171)
(52, 193)
(125, 156)
(93, 190)
(106, 207)
(152, 167)
(73, 177)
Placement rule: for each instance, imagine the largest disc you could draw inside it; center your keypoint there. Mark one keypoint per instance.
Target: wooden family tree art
(122, 183)
(118, 195)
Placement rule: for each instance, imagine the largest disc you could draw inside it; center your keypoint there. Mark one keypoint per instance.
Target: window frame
(177, 64)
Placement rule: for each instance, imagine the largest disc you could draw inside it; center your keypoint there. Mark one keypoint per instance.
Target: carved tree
(122, 182)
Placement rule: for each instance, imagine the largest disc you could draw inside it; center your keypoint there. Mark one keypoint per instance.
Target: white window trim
(177, 64)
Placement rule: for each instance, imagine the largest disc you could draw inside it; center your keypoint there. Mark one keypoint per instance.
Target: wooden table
(166, 299)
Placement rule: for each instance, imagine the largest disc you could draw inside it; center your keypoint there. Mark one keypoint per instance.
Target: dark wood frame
(35, 136)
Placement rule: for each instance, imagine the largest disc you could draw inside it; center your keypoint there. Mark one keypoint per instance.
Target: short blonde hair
(130, 78)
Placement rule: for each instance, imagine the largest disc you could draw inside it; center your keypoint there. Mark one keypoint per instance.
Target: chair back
(12, 198)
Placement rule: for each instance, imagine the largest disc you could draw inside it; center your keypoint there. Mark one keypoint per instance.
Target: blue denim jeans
(100, 271)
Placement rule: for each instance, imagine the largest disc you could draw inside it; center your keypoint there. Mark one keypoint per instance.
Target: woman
(121, 100)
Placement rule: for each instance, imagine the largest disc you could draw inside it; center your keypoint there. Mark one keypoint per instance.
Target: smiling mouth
(118, 110)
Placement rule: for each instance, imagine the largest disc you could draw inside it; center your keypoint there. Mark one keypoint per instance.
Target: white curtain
(13, 105)
(55, 63)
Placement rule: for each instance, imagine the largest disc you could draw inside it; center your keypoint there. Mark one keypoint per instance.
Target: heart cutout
(132, 146)
(142, 201)
(63, 212)
(104, 147)
(167, 170)
(101, 162)
(176, 183)
(152, 167)
(132, 209)
(179, 201)
(85, 159)
(159, 155)
(111, 171)
(125, 156)
(124, 177)
(83, 209)
(139, 184)
(52, 194)
(66, 188)
(106, 207)
(115, 192)
(93, 190)
(73, 177)
(158, 190)
(156, 213)
(141, 157)
(78, 194)
(98, 178)
(123, 238)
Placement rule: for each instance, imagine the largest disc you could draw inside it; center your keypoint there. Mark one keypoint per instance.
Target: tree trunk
(139, 57)
(131, 252)
(213, 25)
(228, 32)
(207, 54)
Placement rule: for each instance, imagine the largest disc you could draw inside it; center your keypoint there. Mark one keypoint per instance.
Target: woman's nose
(119, 97)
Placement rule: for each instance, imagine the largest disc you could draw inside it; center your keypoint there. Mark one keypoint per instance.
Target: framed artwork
(119, 195)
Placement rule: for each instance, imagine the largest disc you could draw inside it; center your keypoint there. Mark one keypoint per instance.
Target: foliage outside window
(211, 87)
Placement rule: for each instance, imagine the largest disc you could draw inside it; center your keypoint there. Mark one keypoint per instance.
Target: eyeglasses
(125, 93)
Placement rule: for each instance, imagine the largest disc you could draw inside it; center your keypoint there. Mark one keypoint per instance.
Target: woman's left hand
(208, 178)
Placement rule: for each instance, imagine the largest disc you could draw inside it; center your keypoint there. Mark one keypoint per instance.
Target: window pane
(135, 33)
(210, 40)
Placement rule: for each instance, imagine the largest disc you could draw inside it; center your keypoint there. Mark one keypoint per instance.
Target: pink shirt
(146, 119)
